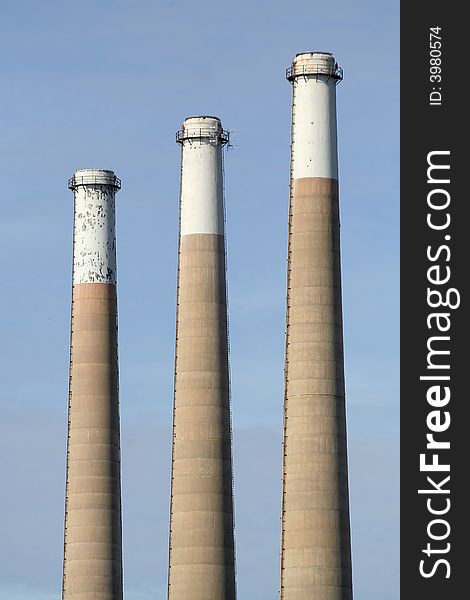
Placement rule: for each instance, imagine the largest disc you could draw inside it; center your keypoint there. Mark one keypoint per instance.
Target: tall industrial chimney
(92, 545)
(315, 552)
(202, 554)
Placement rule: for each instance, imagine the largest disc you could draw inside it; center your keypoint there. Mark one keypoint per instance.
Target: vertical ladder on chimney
(176, 362)
(286, 367)
(228, 364)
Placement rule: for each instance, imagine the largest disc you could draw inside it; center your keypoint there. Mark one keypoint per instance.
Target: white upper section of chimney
(314, 151)
(94, 252)
(202, 208)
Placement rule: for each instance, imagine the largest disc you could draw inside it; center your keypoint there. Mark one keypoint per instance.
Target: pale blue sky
(106, 84)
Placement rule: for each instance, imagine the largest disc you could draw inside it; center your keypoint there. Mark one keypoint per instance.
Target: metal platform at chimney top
(220, 136)
(335, 73)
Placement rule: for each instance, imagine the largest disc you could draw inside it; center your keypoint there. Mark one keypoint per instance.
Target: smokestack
(202, 553)
(315, 553)
(92, 546)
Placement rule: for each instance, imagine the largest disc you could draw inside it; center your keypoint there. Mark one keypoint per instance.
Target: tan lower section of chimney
(92, 556)
(202, 562)
(315, 554)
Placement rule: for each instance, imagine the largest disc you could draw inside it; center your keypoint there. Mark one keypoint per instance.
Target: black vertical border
(426, 128)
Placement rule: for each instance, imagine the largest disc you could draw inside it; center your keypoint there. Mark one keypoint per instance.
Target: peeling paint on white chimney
(94, 256)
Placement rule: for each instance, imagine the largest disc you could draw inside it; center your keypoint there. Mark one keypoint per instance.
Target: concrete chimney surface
(202, 553)
(315, 543)
(92, 539)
